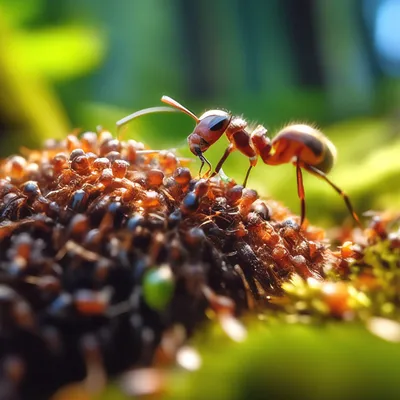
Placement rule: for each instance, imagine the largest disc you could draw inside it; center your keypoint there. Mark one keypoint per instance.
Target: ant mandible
(306, 147)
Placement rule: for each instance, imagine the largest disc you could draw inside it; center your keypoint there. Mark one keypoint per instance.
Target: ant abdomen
(307, 143)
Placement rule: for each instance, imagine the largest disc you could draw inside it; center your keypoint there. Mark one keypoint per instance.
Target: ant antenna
(178, 106)
(139, 113)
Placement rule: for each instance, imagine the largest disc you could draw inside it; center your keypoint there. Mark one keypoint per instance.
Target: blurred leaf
(357, 137)
(26, 101)
(60, 52)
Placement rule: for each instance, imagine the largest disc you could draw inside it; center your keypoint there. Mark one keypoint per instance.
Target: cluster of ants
(83, 220)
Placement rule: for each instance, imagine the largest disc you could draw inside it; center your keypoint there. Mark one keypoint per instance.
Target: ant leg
(253, 163)
(300, 192)
(201, 166)
(204, 160)
(346, 198)
(247, 176)
(228, 151)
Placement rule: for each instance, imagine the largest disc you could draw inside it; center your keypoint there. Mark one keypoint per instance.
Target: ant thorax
(214, 113)
(236, 124)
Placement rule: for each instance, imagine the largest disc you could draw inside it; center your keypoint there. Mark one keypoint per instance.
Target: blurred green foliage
(66, 65)
(281, 361)
(31, 59)
(66, 49)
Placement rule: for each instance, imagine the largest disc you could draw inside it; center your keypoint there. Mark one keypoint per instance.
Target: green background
(68, 64)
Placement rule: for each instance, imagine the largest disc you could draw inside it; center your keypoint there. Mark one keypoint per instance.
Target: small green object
(158, 287)
(224, 178)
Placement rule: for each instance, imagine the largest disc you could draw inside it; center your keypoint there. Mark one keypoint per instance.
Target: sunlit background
(80, 64)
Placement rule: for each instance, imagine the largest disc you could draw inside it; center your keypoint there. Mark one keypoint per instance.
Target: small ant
(303, 145)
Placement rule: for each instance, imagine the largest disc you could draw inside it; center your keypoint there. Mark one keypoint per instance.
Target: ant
(306, 147)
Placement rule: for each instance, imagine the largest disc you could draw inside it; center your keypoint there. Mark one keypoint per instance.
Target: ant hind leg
(300, 192)
(342, 194)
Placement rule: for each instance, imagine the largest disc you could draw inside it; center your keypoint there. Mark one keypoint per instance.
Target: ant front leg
(300, 192)
(204, 160)
(228, 151)
(253, 163)
(197, 151)
(342, 194)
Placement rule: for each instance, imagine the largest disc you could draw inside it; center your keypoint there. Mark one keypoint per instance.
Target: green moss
(383, 262)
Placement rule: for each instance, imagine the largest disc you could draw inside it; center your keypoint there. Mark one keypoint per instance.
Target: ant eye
(218, 123)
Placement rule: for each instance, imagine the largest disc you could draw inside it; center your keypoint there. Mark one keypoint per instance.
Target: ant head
(214, 121)
(209, 127)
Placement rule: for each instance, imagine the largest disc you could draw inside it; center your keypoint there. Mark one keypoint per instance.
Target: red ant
(306, 147)
(303, 145)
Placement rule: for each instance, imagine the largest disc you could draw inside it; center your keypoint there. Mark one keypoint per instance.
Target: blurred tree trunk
(347, 72)
(303, 42)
